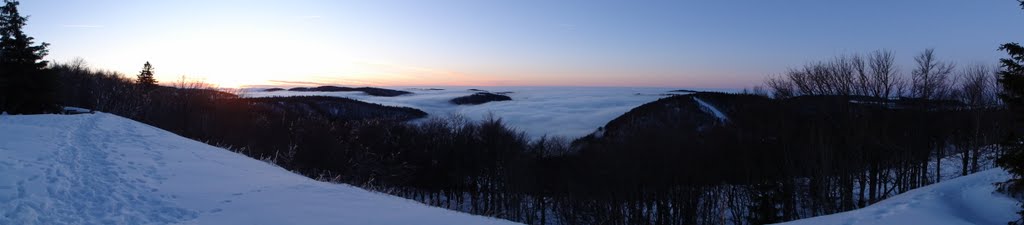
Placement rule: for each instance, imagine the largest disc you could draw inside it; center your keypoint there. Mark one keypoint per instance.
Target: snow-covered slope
(104, 169)
(965, 200)
(711, 109)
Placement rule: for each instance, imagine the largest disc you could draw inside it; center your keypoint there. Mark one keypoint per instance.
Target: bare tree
(977, 86)
(842, 75)
(78, 65)
(832, 77)
(930, 79)
(977, 89)
(803, 83)
(820, 80)
(781, 87)
(859, 66)
(884, 75)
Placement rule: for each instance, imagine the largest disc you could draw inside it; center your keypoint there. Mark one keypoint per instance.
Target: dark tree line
(802, 156)
(874, 75)
(26, 86)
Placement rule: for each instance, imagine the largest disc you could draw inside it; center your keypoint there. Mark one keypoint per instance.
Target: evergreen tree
(146, 76)
(26, 86)
(1011, 77)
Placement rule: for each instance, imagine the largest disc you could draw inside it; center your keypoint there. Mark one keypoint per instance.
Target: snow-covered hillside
(104, 169)
(965, 200)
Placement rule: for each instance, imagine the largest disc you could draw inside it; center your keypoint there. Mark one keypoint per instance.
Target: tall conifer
(26, 86)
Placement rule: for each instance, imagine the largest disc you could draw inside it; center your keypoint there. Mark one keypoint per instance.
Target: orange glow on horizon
(397, 75)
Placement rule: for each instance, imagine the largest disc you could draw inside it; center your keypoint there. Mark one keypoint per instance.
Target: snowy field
(561, 111)
(961, 201)
(104, 169)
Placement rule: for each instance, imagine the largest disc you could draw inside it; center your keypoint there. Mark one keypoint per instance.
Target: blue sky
(714, 44)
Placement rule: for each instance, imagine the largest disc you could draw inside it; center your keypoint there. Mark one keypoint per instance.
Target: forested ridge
(775, 160)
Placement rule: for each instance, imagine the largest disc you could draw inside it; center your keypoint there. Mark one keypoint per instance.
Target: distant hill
(480, 98)
(701, 111)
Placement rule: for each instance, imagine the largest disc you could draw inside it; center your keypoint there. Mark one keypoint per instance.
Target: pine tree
(26, 86)
(1011, 77)
(146, 76)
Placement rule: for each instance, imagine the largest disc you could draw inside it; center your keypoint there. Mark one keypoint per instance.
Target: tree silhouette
(930, 80)
(27, 86)
(146, 76)
(1011, 77)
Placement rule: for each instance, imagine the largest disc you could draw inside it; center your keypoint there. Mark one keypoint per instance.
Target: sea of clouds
(570, 112)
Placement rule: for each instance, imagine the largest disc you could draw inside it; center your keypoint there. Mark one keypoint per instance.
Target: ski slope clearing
(965, 200)
(104, 169)
(711, 109)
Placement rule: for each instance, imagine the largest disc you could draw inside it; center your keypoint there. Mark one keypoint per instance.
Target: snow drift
(104, 169)
(965, 200)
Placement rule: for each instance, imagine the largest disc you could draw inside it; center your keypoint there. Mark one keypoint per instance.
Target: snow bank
(965, 200)
(103, 169)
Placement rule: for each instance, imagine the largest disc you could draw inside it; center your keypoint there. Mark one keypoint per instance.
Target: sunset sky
(712, 44)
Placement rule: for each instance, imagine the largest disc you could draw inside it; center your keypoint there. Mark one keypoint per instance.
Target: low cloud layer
(554, 111)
